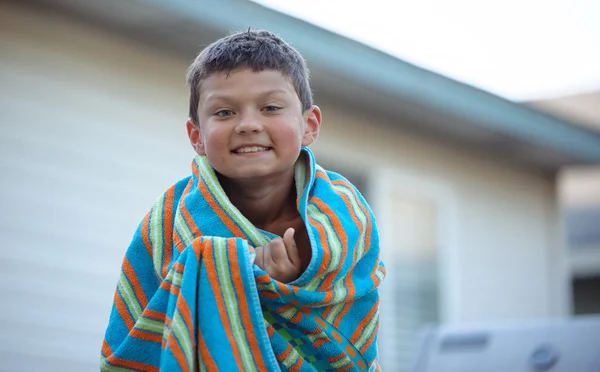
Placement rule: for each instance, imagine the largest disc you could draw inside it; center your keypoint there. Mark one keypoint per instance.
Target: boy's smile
(251, 124)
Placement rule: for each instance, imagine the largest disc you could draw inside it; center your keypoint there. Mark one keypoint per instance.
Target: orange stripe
(327, 299)
(172, 288)
(321, 322)
(371, 339)
(320, 342)
(361, 364)
(269, 294)
(106, 350)
(305, 310)
(122, 309)
(296, 367)
(186, 314)
(153, 314)
(179, 267)
(281, 356)
(145, 335)
(296, 318)
(311, 331)
(177, 352)
(324, 245)
(285, 290)
(339, 230)
(213, 279)
(283, 308)
(243, 304)
(338, 319)
(350, 351)
(135, 283)
(326, 312)
(363, 209)
(263, 279)
(369, 228)
(167, 229)
(207, 359)
(228, 222)
(348, 280)
(361, 326)
(270, 330)
(179, 244)
(346, 367)
(337, 336)
(336, 358)
(145, 236)
(186, 214)
(118, 362)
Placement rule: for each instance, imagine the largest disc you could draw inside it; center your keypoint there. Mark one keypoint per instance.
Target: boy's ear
(312, 118)
(193, 131)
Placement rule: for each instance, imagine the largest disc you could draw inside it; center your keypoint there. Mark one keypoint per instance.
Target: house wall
(92, 131)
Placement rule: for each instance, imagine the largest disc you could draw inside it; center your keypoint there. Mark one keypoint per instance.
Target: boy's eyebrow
(225, 97)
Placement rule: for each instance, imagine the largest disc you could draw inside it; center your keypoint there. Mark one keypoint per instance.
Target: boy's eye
(224, 113)
(271, 108)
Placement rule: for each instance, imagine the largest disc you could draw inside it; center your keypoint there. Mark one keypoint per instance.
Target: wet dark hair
(256, 49)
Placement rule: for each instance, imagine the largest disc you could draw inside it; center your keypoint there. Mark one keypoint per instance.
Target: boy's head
(251, 106)
(257, 50)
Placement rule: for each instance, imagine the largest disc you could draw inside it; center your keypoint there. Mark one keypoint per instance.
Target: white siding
(92, 131)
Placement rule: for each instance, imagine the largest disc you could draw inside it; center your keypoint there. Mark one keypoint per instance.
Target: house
(463, 183)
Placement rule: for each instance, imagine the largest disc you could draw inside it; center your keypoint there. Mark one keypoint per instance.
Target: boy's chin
(253, 173)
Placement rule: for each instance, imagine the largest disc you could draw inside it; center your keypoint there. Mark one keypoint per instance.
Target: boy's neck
(263, 203)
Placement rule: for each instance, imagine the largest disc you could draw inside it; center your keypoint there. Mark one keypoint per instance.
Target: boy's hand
(280, 258)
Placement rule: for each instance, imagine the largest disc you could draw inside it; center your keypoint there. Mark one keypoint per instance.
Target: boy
(260, 260)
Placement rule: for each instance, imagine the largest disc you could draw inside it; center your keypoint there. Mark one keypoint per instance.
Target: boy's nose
(249, 124)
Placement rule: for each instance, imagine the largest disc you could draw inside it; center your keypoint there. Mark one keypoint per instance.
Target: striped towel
(189, 297)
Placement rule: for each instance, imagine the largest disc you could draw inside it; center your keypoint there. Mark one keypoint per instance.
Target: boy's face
(251, 124)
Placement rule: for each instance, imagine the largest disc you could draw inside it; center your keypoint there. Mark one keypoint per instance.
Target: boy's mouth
(251, 149)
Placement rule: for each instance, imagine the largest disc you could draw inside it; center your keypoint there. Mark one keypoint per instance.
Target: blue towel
(189, 297)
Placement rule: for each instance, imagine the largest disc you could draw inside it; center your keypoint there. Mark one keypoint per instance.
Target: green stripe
(150, 325)
(182, 229)
(334, 244)
(106, 367)
(359, 214)
(334, 312)
(267, 287)
(231, 211)
(231, 302)
(289, 313)
(291, 359)
(300, 172)
(369, 329)
(340, 291)
(314, 337)
(183, 336)
(156, 235)
(342, 362)
(129, 297)
(201, 364)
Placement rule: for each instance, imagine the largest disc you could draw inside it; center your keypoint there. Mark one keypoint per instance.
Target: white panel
(92, 131)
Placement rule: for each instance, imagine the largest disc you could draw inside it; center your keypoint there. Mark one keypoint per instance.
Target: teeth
(251, 149)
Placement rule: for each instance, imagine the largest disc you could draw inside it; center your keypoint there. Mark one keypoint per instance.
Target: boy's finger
(259, 258)
(290, 246)
(278, 251)
(268, 256)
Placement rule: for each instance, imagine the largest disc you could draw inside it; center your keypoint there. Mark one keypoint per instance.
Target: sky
(522, 50)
